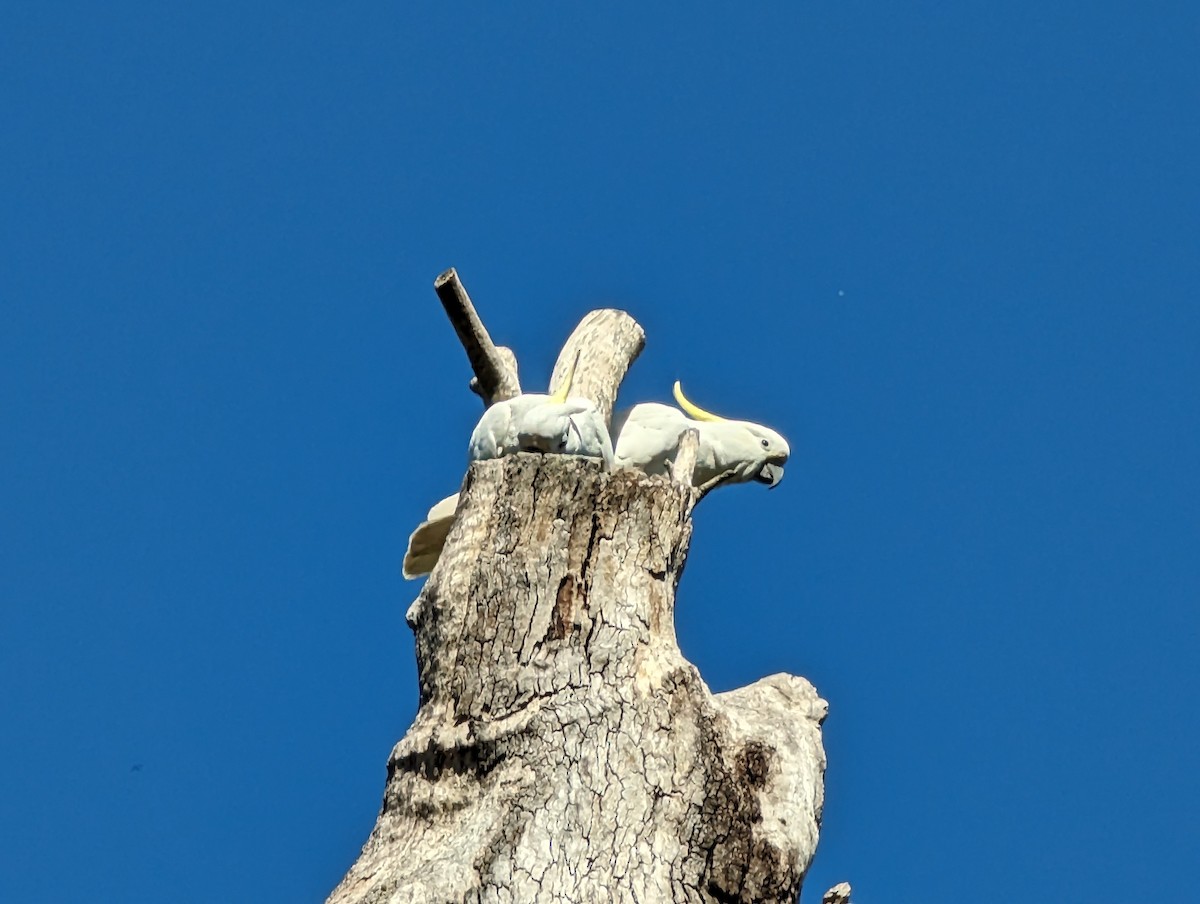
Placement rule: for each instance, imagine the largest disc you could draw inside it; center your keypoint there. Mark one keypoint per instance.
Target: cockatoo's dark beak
(770, 474)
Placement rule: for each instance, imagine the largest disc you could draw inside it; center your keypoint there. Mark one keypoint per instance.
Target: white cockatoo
(558, 424)
(648, 437)
(535, 422)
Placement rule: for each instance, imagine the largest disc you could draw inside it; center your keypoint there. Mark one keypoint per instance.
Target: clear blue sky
(948, 249)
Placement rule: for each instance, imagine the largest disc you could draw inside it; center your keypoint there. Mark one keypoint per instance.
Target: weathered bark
(564, 750)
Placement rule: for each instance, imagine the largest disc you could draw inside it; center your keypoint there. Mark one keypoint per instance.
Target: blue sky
(949, 250)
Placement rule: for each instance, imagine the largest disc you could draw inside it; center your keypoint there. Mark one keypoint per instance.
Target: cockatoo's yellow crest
(564, 388)
(692, 409)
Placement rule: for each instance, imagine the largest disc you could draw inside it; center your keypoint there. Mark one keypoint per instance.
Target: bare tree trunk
(564, 750)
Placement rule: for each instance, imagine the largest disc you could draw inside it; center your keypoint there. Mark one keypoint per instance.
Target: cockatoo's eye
(765, 443)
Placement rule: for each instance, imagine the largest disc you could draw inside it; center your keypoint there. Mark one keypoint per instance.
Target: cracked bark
(564, 750)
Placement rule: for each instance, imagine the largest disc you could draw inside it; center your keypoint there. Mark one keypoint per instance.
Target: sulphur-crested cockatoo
(558, 424)
(535, 422)
(648, 437)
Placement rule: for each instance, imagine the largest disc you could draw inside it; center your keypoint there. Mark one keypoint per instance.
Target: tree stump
(564, 750)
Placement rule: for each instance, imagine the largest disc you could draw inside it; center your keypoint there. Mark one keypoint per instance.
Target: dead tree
(564, 750)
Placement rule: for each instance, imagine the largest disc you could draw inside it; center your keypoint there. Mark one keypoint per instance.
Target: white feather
(426, 542)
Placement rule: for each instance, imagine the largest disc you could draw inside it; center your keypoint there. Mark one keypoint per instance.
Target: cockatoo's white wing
(647, 436)
(588, 434)
(496, 433)
(573, 427)
(425, 544)
(487, 439)
(543, 428)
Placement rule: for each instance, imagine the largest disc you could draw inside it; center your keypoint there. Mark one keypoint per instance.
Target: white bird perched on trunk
(532, 422)
(648, 437)
(535, 422)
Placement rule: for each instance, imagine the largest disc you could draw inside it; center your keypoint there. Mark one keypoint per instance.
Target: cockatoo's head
(761, 451)
(775, 453)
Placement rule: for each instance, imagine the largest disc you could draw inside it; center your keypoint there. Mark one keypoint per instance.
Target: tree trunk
(564, 750)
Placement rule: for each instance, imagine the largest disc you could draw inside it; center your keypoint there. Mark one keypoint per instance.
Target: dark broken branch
(495, 378)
